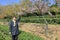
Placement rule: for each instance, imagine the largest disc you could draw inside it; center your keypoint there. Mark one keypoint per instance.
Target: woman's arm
(18, 18)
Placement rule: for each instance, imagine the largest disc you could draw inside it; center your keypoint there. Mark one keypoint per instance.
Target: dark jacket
(14, 29)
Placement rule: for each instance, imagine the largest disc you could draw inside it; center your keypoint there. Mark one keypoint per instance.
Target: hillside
(53, 31)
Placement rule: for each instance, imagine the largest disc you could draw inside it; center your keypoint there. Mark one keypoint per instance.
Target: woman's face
(14, 18)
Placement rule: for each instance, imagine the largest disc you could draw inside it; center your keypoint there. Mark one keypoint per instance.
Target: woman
(14, 28)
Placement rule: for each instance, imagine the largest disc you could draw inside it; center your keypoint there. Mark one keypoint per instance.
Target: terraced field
(4, 35)
(36, 29)
(53, 31)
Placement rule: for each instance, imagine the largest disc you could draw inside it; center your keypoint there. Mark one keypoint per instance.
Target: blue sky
(52, 2)
(6, 2)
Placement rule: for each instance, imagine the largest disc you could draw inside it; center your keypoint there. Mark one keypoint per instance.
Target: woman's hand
(9, 32)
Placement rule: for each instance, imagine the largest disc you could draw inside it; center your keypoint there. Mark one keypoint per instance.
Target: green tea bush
(36, 19)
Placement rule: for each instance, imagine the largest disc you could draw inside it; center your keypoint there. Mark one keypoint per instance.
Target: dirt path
(38, 29)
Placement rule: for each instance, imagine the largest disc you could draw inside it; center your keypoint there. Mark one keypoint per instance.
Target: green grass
(22, 36)
(28, 36)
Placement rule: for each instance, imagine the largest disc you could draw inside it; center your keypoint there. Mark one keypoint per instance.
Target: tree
(25, 5)
(40, 6)
(55, 9)
(57, 2)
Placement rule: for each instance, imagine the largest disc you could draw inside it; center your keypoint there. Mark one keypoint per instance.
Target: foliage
(55, 9)
(27, 6)
(37, 19)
